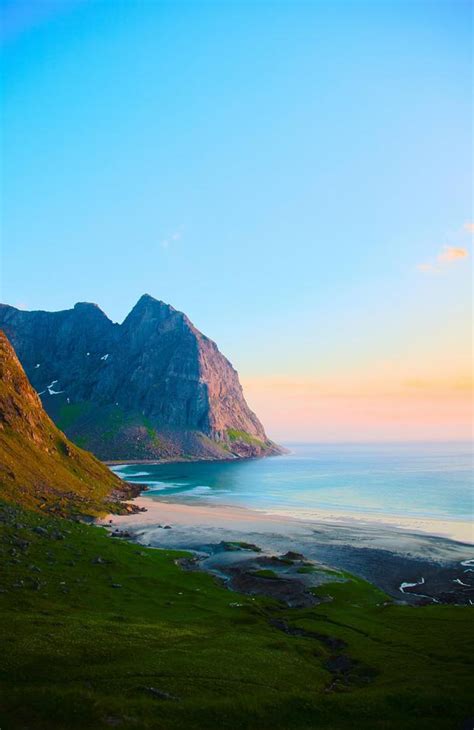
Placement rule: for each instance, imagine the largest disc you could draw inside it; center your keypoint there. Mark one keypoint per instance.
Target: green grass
(151, 432)
(53, 476)
(307, 569)
(220, 445)
(234, 435)
(77, 653)
(69, 414)
(78, 418)
(317, 569)
(266, 573)
(240, 545)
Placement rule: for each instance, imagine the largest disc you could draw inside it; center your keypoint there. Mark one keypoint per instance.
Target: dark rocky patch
(158, 693)
(290, 555)
(235, 546)
(331, 642)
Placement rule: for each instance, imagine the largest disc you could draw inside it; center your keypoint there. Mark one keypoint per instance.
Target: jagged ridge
(151, 387)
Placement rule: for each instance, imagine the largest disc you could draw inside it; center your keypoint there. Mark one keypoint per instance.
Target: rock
(41, 531)
(290, 555)
(340, 664)
(332, 642)
(167, 527)
(234, 546)
(196, 405)
(26, 428)
(158, 693)
(98, 560)
(116, 585)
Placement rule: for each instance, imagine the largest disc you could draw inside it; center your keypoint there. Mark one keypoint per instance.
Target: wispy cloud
(447, 256)
(452, 253)
(426, 268)
(172, 238)
(469, 227)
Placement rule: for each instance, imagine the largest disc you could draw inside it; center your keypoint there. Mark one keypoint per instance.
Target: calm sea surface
(412, 480)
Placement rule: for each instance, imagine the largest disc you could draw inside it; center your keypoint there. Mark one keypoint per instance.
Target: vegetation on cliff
(39, 467)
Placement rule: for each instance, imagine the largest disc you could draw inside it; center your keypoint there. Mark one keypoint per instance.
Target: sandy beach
(389, 552)
(237, 517)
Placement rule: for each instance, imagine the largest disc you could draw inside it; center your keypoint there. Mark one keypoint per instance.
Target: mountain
(39, 467)
(151, 387)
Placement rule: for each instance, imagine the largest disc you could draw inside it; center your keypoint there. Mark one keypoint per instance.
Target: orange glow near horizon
(378, 409)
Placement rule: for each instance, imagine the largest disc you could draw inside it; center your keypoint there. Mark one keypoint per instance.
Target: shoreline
(459, 531)
(393, 557)
(177, 460)
(195, 459)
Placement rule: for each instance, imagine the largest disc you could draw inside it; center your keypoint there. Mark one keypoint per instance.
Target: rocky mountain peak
(89, 307)
(151, 307)
(152, 386)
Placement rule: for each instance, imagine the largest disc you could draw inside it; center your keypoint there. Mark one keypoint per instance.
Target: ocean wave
(121, 471)
(158, 483)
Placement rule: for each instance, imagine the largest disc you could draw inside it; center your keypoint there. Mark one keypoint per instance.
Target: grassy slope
(61, 481)
(39, 467)
(78, 652)
(117, 435)
(234, 435)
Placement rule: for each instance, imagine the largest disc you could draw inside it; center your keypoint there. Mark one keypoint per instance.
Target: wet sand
(391, 557)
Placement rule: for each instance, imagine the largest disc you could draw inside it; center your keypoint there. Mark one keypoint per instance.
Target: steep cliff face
(151, 387)
(39, 467)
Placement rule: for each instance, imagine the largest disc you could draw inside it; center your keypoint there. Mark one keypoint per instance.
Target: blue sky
(278, 170)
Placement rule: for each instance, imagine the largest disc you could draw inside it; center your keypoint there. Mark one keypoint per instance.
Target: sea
(410, 480)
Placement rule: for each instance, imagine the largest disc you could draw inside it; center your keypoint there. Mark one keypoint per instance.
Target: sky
(295, 176)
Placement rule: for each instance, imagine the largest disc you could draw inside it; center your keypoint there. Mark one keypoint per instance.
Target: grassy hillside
(39, 467)
(100, 633)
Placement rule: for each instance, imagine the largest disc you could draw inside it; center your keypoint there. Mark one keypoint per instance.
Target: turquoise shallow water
(429, 480)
